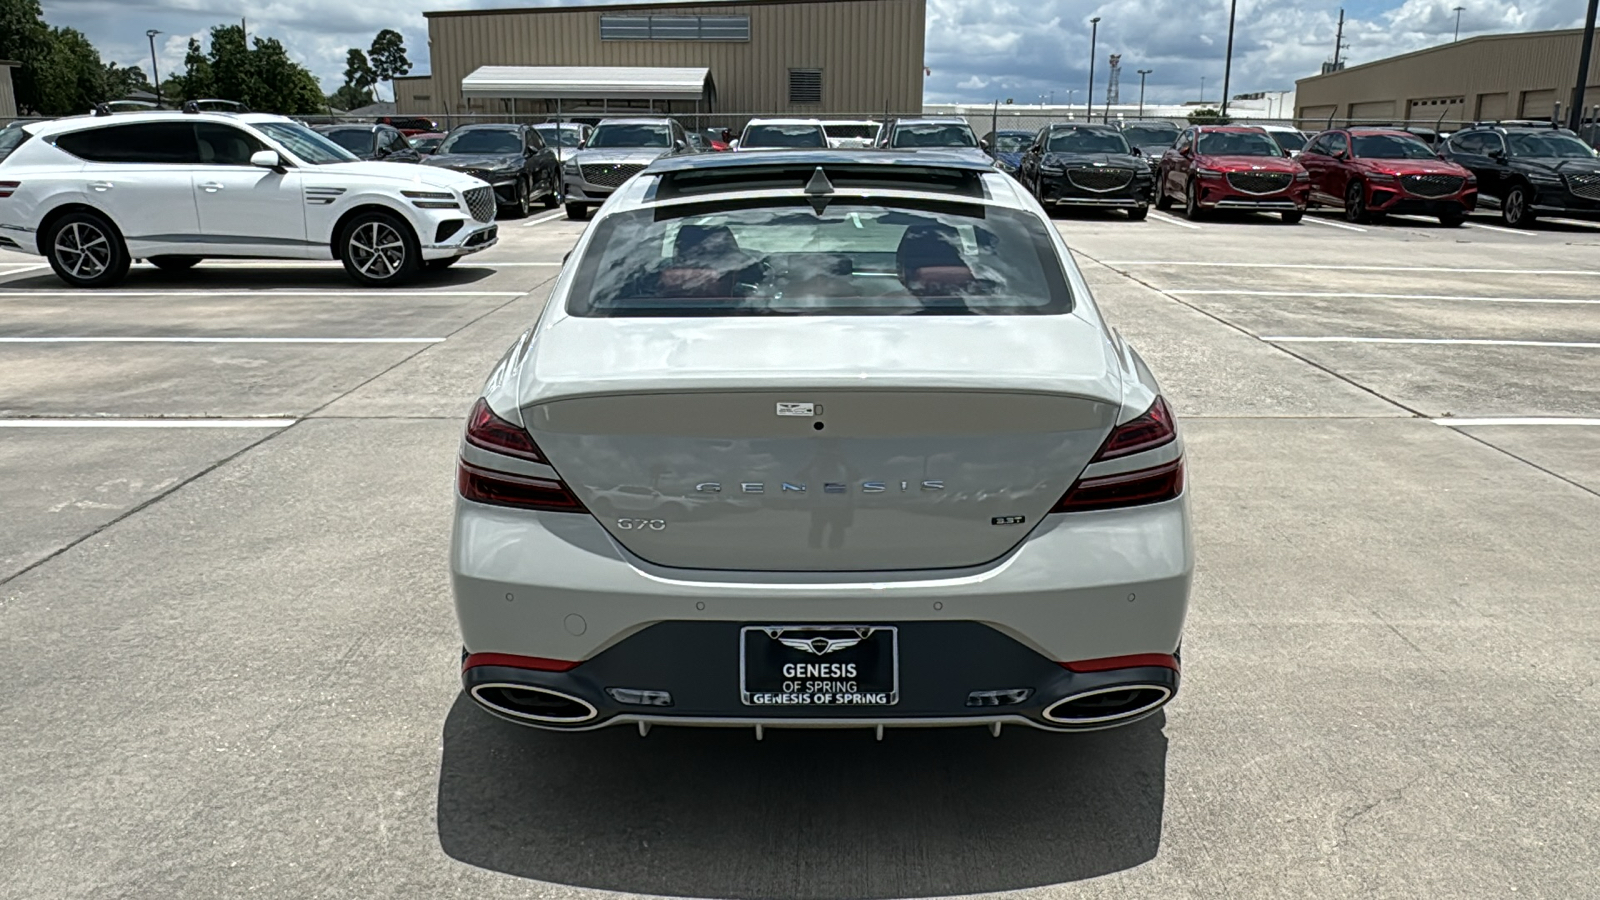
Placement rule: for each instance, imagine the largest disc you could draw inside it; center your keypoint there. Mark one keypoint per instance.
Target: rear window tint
(765, 257)
(141, 142)
(784, 136)
(356, 140)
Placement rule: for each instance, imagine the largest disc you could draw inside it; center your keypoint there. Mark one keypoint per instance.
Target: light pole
(1458, 24)
(1142, 74)
(1202, 90)
(1088, 99)
(151, 34)
(1227, 66)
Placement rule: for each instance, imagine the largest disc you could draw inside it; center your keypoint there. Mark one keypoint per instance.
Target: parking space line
(215, 340)
(542, 219)
(1341, 295)
(1501, 230)
(1340, 267)
(1517, 420)
(264, 292)
(1158, 217)
(146, 423)
(1481, 342)
(1579, 222)
(1318, 221)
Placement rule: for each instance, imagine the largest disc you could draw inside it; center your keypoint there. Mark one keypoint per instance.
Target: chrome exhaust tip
(1108, 705)
(534, 704)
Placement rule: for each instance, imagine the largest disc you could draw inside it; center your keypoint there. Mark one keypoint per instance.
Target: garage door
(1316, 117)
(1538, 104)
(1491, 107)
(1374, 111)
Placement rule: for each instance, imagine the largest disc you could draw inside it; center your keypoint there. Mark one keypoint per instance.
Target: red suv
(1375, 171)
(1231, 167)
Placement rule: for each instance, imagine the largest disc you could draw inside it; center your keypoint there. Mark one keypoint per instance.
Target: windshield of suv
(631, 136)
(1150, 135)
(356, 140)
(1548, 145)
(495, 141)
(1238, 143)
(857, 257)
(565, 136)
(1082, 140)
(783, 136)
(934, 135)
(305, 143)
(1391, 146)
(1288, 140)
(1011, 143)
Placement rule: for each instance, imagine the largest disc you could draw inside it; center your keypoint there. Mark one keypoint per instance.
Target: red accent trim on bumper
(517, 662)
(1164, 660)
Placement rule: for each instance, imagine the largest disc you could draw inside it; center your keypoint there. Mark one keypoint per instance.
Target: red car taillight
(490, 432)
(1149, 431)
(7, 188)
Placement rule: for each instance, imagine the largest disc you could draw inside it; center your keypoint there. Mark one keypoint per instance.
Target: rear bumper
(557, 586)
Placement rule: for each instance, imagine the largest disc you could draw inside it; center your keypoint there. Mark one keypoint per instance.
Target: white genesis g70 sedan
(821, 438)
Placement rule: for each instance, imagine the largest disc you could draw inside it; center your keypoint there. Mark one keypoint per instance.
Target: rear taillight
(480, 485)
(1152, 430)
(489, 431)
(7, 188)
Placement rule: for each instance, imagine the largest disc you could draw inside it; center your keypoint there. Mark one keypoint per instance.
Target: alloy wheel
(1355, 207)
(84, 250)
(524, 198)
(377, 250)
(1515, 207)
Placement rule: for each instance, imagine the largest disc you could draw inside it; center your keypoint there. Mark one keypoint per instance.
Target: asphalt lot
(229, 653)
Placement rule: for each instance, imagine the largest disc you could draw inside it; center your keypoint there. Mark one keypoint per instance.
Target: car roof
(79, 123)
(931, 120)
(352, 125)
(490, 126)
(638, 120)
(783, 122)
(1272, 127)
(1236, 129)
(1092, 126)
(1148, 122)
(817, 157)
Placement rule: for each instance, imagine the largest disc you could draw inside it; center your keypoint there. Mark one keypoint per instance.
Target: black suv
(1529, 170)
(372, 142)
(1082, 164)
(514, 159)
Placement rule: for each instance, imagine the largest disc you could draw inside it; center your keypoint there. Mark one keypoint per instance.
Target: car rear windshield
(765, 257)
(1238, 143)
(1559, 146)
(564, 137)
(488, 140)
(933, 135)
(631, 136)
(1011, 143)
(356, 140)
(784, 136)
(1148, 135)
(1391, 146)
(1080, 140)
(1288, 140)
(853, 131)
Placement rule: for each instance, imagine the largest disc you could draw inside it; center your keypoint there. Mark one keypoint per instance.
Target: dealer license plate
(819, 665)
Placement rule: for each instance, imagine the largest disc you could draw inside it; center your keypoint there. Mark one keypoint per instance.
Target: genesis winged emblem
(818, 645)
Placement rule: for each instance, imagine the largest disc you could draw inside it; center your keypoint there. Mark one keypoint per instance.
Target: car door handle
(211, 187)
(101, 186)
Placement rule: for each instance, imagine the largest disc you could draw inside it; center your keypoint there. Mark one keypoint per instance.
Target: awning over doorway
(588, 83)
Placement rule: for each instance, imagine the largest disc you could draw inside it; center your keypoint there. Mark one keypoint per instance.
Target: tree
(1207, 116)
(195, 83)
(358, 81)
(388, 55)
(60, 71)
(124, 80)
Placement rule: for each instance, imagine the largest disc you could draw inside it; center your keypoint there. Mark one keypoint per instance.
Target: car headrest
(929, 244)
(939, 280)
(688, 281)
(704, 242)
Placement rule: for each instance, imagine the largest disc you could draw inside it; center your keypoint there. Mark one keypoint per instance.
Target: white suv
(92, 194)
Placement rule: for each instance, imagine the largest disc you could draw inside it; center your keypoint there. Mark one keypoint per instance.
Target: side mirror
(733, 144)
(1497, 153)
(984, 145)
(583, 143)
(1136, 151)
(680, 146)
(266, 159)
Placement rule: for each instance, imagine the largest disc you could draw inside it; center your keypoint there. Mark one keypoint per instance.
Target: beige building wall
(8, 91)
(1492, 77)
(416, 94)
(869, 51)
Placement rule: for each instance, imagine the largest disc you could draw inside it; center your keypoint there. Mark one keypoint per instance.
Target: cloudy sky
(979, 50)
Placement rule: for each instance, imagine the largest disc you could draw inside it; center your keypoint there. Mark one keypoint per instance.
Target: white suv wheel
(85, 250)
(380, 250)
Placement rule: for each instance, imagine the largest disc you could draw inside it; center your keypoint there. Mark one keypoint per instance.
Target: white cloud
(978, 50)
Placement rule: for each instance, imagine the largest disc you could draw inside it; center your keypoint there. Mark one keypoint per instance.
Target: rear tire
(524, 204)
(1293, 217)
(1515, 210)
(1138, 214)
(1163, 202)
(1355, 204)
(1191, 202)
(577, 211)
(174, 263)
(1452, 219)
(86, 250)
(380, 250)
(553, 198)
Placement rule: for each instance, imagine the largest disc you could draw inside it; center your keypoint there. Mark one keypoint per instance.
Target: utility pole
(1227, 66)
(1142, 74)
(1088, 99)
(1583, 67)
(1458, 24)
(1338, 41)
(154, 73)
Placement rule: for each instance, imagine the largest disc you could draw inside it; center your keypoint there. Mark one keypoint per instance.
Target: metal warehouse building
(796, 57)
(1478, 79)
